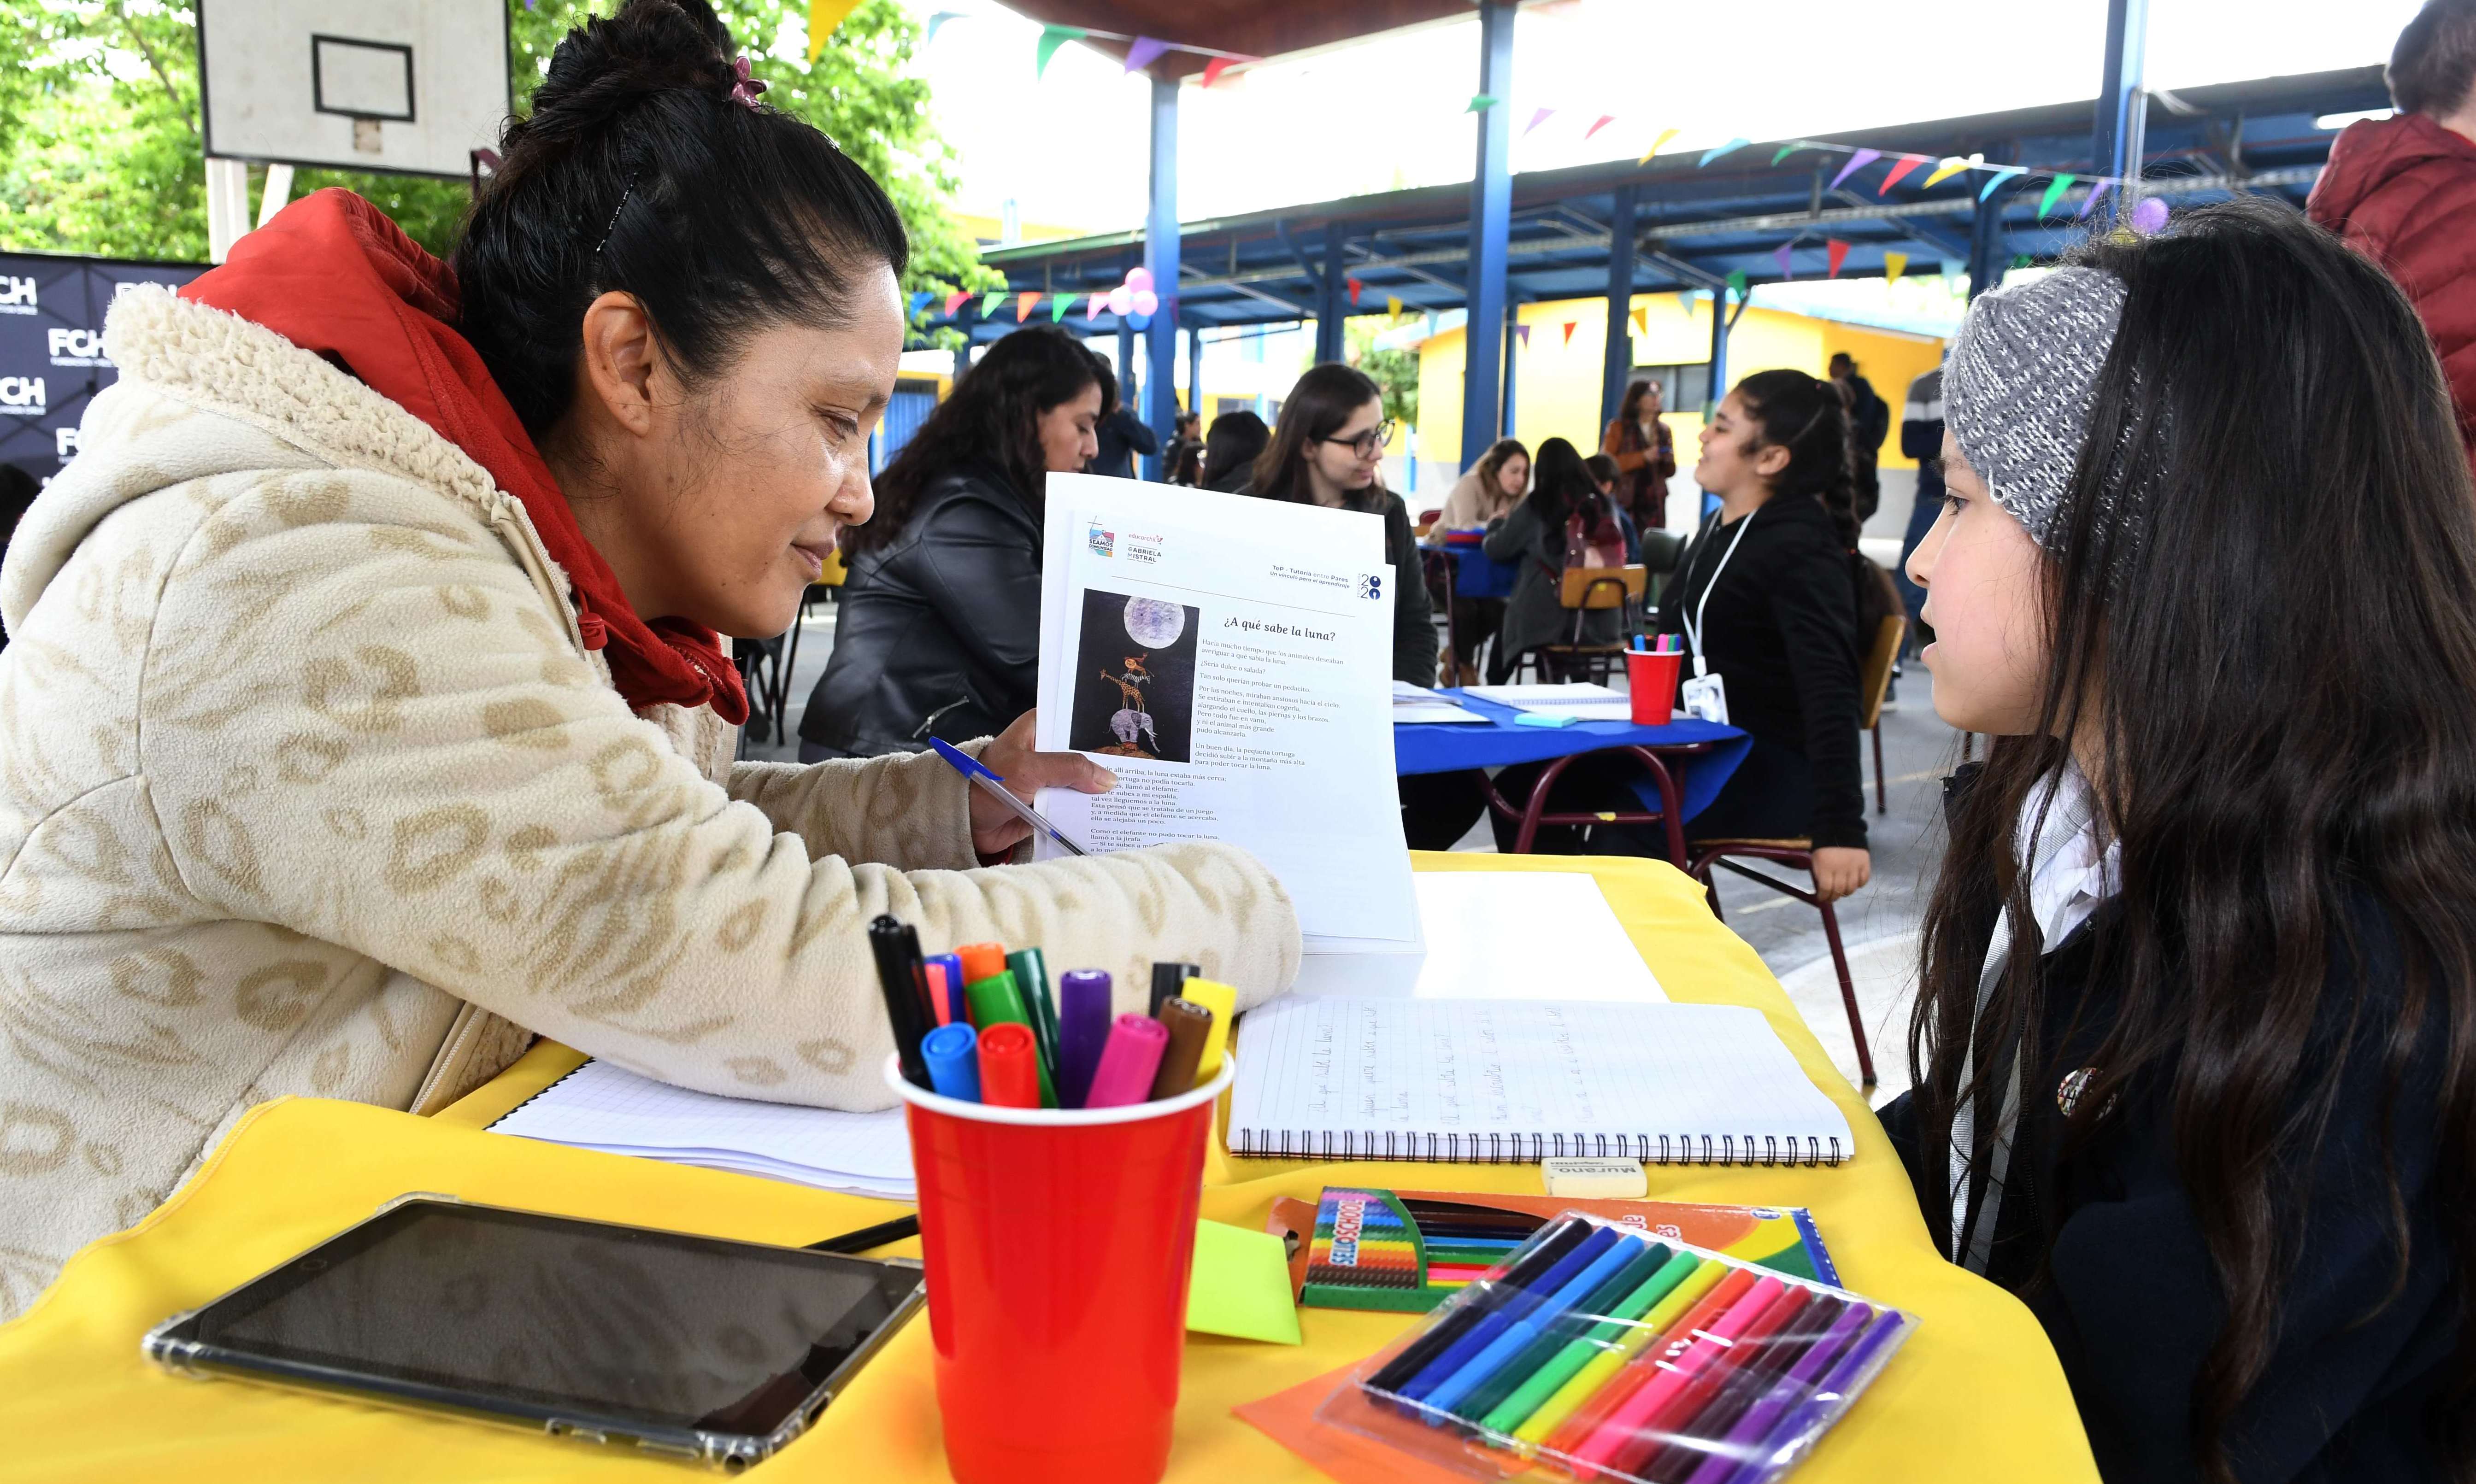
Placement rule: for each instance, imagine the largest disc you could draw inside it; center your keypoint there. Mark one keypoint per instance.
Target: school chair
(1796, 854)
(1873, 679)
(1581, 592)
(1426, 522)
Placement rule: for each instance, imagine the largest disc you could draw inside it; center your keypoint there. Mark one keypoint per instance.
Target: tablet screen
(688, 1331)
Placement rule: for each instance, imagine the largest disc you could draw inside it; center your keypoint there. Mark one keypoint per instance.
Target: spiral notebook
(1507, 1082)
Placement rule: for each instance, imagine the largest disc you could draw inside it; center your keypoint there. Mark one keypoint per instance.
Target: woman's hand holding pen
(1027, 772)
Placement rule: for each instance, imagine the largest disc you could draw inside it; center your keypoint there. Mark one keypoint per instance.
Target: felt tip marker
(956, 1008)
(1222, 1002)
(1128, 1063)
(1082, 1031)
(952, 1052)
(897, 956)
(996, 1002)
(1009, 1067)
(982, 960)
(1030, 972)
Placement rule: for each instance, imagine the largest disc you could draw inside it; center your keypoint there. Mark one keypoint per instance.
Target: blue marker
(1516, 1307)
(1618, 1253)
(958, 1009)
(952, 1054)
(995, 787)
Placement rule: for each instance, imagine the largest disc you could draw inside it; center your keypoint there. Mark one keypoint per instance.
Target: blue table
(1714, 753)
(1475, 576)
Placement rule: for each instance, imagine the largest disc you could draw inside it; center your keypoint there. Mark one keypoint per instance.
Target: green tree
(99, 125)
(1393, 372)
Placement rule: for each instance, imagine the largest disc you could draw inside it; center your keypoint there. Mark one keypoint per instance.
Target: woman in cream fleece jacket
(315, 778)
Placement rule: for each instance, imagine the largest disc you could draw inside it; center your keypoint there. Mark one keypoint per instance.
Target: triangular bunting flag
(1786, 150)
(1024, 304)
(1737, 276)
(1093, 305)
(1895, 264)
(989, 303)
(954, 301)
(2095, 191)
(937, 23)
(2054, 193)
(1571, 326)
(1144, 53)
(1996, 179)
(1665, 134)
(1480, 102)
(1354, 285)
(1729, 148)
(2024, 261)
(1856, 162)
(1213, 69)
(1943, 172)
(1392, 305)
(1642, 322)
(823, 15)
(1538, 116)
(1780, 252)
(1835, 252)
(919, 298)
(1051, 37)
(1522, 333)
(1598, 124)
(1892, 177)
(1059, 305)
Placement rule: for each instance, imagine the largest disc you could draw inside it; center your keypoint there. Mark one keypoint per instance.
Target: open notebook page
(1496, 1080)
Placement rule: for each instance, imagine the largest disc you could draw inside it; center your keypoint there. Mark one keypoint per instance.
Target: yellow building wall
(1556, 378)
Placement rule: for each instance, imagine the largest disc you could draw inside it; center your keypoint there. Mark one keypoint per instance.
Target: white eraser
(1620, 1179)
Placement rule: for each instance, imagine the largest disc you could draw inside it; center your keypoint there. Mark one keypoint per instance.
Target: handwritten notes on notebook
(1493, 1080)
(599, 1106)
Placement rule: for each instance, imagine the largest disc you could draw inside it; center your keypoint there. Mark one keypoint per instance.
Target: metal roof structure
(1692, 227)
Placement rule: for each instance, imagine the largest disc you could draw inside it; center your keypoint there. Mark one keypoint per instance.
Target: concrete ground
(1877, 925)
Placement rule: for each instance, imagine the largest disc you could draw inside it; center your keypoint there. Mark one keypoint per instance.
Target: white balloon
(1121, 300)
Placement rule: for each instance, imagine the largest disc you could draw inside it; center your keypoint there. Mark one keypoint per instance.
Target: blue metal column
(1985, 245)
(1129, 382)
(1332, 303)
(1490, 229)
(2122, 121)
(1620, 359)
(1159, 406)
(1719, 353)
(966, 316)
(1512, 338)
(1195, 369)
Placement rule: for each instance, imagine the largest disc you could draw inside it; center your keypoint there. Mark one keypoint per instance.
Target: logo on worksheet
(1105, 543)
(1371, 585)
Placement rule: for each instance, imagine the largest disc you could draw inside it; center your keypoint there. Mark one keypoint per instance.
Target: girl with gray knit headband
(2195, 1038)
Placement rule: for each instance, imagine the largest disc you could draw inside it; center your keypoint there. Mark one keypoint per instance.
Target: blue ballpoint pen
(995, 786)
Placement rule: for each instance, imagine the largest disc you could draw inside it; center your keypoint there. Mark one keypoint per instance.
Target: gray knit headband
(2018, 391)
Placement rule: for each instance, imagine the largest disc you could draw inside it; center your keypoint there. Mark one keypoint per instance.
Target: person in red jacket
(2402, 190)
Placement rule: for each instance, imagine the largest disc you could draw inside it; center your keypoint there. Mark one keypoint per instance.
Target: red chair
(1796, 855)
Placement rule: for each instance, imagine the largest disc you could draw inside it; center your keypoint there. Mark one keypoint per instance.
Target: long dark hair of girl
(1793, 410)
(1630, 410)
(2256, 610)
(1560, 485)
(991, 418)
(1324, 398)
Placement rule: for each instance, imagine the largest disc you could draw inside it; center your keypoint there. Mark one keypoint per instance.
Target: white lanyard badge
(1694, 621)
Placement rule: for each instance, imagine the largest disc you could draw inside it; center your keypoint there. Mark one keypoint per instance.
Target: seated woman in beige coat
(364, 714)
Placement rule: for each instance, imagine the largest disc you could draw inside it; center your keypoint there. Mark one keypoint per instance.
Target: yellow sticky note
(1222, 1002)
(1240, 1284)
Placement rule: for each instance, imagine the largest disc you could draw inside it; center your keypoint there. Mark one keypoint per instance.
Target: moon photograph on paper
(1134, 677)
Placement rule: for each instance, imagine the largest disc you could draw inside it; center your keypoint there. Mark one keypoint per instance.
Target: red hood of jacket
(333, 276)
(2371, 153)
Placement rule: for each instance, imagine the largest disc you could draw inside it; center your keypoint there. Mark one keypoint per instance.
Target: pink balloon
(2149, 217)
(1139, 280)
(1147, 302)
(1121, 300)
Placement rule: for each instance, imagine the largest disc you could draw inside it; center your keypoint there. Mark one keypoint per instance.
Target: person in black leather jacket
(939, 628)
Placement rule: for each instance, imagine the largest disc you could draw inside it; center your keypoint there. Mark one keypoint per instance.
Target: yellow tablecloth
(1976, 1394)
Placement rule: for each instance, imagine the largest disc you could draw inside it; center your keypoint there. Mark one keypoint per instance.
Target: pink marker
(1687, 1358)
(1128, 1063)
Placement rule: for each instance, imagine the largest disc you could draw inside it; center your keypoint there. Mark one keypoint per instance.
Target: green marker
(1514, 1410)
(996, 1001)
(1032, 979)
(1596, 1306)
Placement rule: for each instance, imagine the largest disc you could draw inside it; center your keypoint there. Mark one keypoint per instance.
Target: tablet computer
(689, 1347)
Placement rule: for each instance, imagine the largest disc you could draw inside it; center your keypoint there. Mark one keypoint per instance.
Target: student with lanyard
(1765, 602)
(2195, 1033)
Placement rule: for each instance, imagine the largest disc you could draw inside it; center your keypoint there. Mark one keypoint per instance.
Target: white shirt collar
(2070, 874)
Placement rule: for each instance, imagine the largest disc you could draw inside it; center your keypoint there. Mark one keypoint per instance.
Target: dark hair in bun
(638, 171)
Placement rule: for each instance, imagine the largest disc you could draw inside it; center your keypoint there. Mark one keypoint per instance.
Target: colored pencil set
(1609, 1354)
(980, 1025)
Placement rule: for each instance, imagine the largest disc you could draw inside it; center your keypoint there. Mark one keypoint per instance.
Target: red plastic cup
(1651, 680)
(1057, 1244)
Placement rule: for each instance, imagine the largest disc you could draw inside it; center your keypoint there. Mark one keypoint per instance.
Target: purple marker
(1804, 1399)
(1082, 1031)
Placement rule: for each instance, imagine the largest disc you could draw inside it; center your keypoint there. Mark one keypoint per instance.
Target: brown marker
(1189, 1026)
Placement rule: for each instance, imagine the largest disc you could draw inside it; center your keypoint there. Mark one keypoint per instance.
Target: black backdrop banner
(51, 348)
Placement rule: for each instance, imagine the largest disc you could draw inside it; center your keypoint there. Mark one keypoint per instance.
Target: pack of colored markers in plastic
(1600, 1351)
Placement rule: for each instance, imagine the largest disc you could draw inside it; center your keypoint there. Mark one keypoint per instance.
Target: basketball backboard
(410, 86)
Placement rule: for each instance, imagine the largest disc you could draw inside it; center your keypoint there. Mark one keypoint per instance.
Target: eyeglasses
(1368, 444)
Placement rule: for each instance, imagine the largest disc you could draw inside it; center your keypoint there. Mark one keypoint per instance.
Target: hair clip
(744, 88)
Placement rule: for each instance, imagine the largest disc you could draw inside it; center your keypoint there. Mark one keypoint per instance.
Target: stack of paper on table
(1417, 705)
(1230, 659)
(1504, 936)
(599, 1106)
(1579, 701)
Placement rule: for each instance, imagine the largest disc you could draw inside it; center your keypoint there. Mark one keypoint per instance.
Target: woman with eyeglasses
(1325, 451)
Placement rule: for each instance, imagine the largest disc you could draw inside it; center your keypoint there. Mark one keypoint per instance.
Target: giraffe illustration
(1132, 720)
